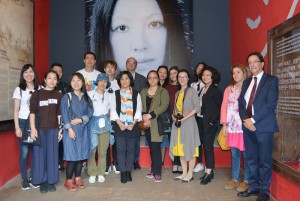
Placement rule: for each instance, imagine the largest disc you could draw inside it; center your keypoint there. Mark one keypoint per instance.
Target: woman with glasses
(185, 139)
(28, 83)
(155, 100)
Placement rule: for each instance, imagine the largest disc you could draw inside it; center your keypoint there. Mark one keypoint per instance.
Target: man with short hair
(89, 72)
(140, 82)
(257, 104)
(110, 68)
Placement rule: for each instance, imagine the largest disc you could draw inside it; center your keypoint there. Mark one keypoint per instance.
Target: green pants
(93, 169)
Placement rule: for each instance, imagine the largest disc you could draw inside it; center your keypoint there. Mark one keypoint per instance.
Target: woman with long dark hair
(119, 29)
(76, 110)
(28, 83)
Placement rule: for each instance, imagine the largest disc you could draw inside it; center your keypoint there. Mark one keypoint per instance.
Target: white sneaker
(101, 179)
(92, 179)
(199, 167)
(108, 170)
(115, 170)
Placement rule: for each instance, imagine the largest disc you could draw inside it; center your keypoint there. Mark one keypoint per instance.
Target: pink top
(230, 116)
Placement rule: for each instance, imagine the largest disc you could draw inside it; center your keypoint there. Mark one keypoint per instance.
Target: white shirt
(101, 103)
(24, 96)
(89, 78)
(248, 92)
(195, 86)
(114, 85)
(113, 110)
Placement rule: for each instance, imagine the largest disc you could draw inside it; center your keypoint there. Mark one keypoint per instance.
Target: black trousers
(199, 159)
(125, 151)
(113, 160)
(208, 132)
(61, 153)
(155, 154)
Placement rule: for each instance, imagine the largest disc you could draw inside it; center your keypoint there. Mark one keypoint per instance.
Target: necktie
(198, 88)
(250, 103)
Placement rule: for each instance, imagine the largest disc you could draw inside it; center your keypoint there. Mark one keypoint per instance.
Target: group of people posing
(96, 110)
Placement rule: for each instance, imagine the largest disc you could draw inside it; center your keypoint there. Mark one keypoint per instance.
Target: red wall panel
(266, 14)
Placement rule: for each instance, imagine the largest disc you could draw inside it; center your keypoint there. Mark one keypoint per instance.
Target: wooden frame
(284, 62)
(16, 49)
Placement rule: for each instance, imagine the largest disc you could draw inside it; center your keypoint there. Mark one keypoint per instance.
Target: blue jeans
(24, 150)
(236, 161)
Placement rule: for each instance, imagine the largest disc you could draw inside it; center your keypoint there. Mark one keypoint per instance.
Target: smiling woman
(152, 31)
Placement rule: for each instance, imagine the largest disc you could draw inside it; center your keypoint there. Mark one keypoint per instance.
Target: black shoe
(136, 166)
(207, 178)
(211, 173)
(263, 197)
(247, 193)
(44, 187)
(123, 177)
(51, 188)
(175, 171)
(129, 177)
(25, 185)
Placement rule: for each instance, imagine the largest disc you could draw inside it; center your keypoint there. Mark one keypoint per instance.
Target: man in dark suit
(257, 104)
(140, 82)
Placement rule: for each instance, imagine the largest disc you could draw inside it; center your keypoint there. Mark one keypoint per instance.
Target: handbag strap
(151, 104)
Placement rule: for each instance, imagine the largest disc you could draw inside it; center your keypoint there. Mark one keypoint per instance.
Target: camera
(177, 122)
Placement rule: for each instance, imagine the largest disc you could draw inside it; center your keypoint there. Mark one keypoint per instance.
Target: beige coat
(159, 105)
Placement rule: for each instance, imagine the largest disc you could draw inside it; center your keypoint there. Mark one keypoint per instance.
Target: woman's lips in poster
(144, 63)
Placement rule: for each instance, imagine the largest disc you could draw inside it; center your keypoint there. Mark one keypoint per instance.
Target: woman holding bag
(28, 83)
(155, 100)
(232, 126)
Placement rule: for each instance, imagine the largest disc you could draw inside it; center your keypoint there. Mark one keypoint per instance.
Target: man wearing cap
(100, 128)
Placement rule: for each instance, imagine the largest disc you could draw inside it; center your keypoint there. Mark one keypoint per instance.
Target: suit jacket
(211, 105)
(140, 82)
(264, 104)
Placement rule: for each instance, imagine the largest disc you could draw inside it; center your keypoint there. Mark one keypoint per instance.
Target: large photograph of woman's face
(154, 32)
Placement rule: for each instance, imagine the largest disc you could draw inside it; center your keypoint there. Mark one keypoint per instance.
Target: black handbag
(164, 122)
(26, 136)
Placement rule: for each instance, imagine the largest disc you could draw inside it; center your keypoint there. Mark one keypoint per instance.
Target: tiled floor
(140, 189)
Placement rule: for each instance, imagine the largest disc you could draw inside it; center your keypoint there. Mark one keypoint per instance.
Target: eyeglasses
(152, 78)
(253, 62)
(130, 62)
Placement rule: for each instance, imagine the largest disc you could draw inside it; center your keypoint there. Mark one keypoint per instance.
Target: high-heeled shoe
(207, 178)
